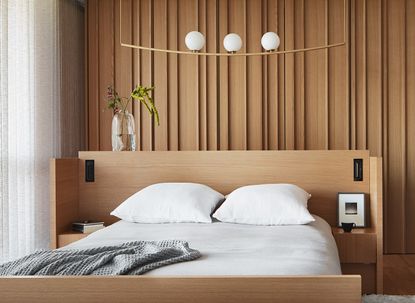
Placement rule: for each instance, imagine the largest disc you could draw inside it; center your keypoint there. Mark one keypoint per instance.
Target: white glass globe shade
(232, 42)
(194, 41)
(270, 41)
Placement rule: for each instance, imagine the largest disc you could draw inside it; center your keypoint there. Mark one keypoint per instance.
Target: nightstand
(358, 246)
(358, 252)
(69, 237)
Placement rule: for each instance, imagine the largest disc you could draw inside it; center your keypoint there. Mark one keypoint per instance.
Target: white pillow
(169, 203)
(266, 204)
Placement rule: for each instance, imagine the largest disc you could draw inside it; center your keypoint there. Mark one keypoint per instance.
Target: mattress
(234, 249)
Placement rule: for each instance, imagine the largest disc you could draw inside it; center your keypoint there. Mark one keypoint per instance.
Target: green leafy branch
(140, 93)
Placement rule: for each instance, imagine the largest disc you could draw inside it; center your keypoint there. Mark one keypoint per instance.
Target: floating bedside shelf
(69, 236)
(358, 253)
(358, 246)
(366, 230)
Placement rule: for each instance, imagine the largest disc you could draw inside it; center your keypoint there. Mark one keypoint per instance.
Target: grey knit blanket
(132, 258)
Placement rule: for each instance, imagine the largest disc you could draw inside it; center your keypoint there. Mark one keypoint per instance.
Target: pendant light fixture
(270, 41)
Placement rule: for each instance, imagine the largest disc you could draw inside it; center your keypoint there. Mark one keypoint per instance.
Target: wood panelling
(71, 16)
(316, 99)
(338, 75)
(410, 126)
(399, 274)
(353, 97)
(136, 170)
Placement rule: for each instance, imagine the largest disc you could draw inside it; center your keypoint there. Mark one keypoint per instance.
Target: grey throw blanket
(132, 258)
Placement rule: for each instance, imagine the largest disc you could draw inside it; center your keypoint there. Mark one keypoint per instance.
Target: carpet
(388, 299)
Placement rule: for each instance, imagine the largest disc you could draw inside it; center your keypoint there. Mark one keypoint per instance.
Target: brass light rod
(238, 54)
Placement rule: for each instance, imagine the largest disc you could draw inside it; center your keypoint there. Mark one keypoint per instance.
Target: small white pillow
(266, 204)
(170, 203)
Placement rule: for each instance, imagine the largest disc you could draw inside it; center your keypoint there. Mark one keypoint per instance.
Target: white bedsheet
(235, 249)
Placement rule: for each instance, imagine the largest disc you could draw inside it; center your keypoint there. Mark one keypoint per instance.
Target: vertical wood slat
(326, 73)
(106, 75)
(223, 79)
(172, 83)
(347, 38)
(289, 75)
(160, 74)
(352, 50)
(212, 71)
(146, 71)
(360, 75)
(281, 78)
(188, 80)
(374, 76)
(354, 97)
(203, 130)
(272, 76)
(254, 77)
(299, 72)
(410, 127)
(396, 115)
(93, 29)
(135, 11)
(71, 18)
(86, 77)
(338, 84)
(237, 83)
(385, 122)
(265, 86)
(122, 55)
(315, 75)
(403, 132)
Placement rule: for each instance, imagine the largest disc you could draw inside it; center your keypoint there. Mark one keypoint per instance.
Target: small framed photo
(352, 208)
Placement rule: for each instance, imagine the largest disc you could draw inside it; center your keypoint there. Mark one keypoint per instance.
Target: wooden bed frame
(118, 175)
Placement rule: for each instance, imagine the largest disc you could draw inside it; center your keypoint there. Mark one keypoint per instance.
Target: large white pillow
(169, 203)
(266, 204)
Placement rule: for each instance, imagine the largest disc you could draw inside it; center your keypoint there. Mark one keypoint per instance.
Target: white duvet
(235, 249)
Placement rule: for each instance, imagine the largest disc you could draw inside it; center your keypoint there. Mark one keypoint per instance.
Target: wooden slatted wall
(355, 97)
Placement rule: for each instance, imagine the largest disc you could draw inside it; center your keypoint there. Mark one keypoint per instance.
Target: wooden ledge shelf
(357, 230)
(72, 232)
(358, 253)
(69, 236)
(358, 246)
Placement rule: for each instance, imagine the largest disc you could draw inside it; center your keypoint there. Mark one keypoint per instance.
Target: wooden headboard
(120, 174)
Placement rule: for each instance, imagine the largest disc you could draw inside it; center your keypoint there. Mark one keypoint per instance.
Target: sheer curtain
(29, 122)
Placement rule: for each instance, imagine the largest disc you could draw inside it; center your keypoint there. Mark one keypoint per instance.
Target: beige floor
(399, 274)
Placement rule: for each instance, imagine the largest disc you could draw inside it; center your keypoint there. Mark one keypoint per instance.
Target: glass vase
(123, 131)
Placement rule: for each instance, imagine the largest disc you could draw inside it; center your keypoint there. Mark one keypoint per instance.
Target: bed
(261, 272)
(233, 249)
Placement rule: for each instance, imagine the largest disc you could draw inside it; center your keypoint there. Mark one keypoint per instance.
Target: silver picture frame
(352, 208)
